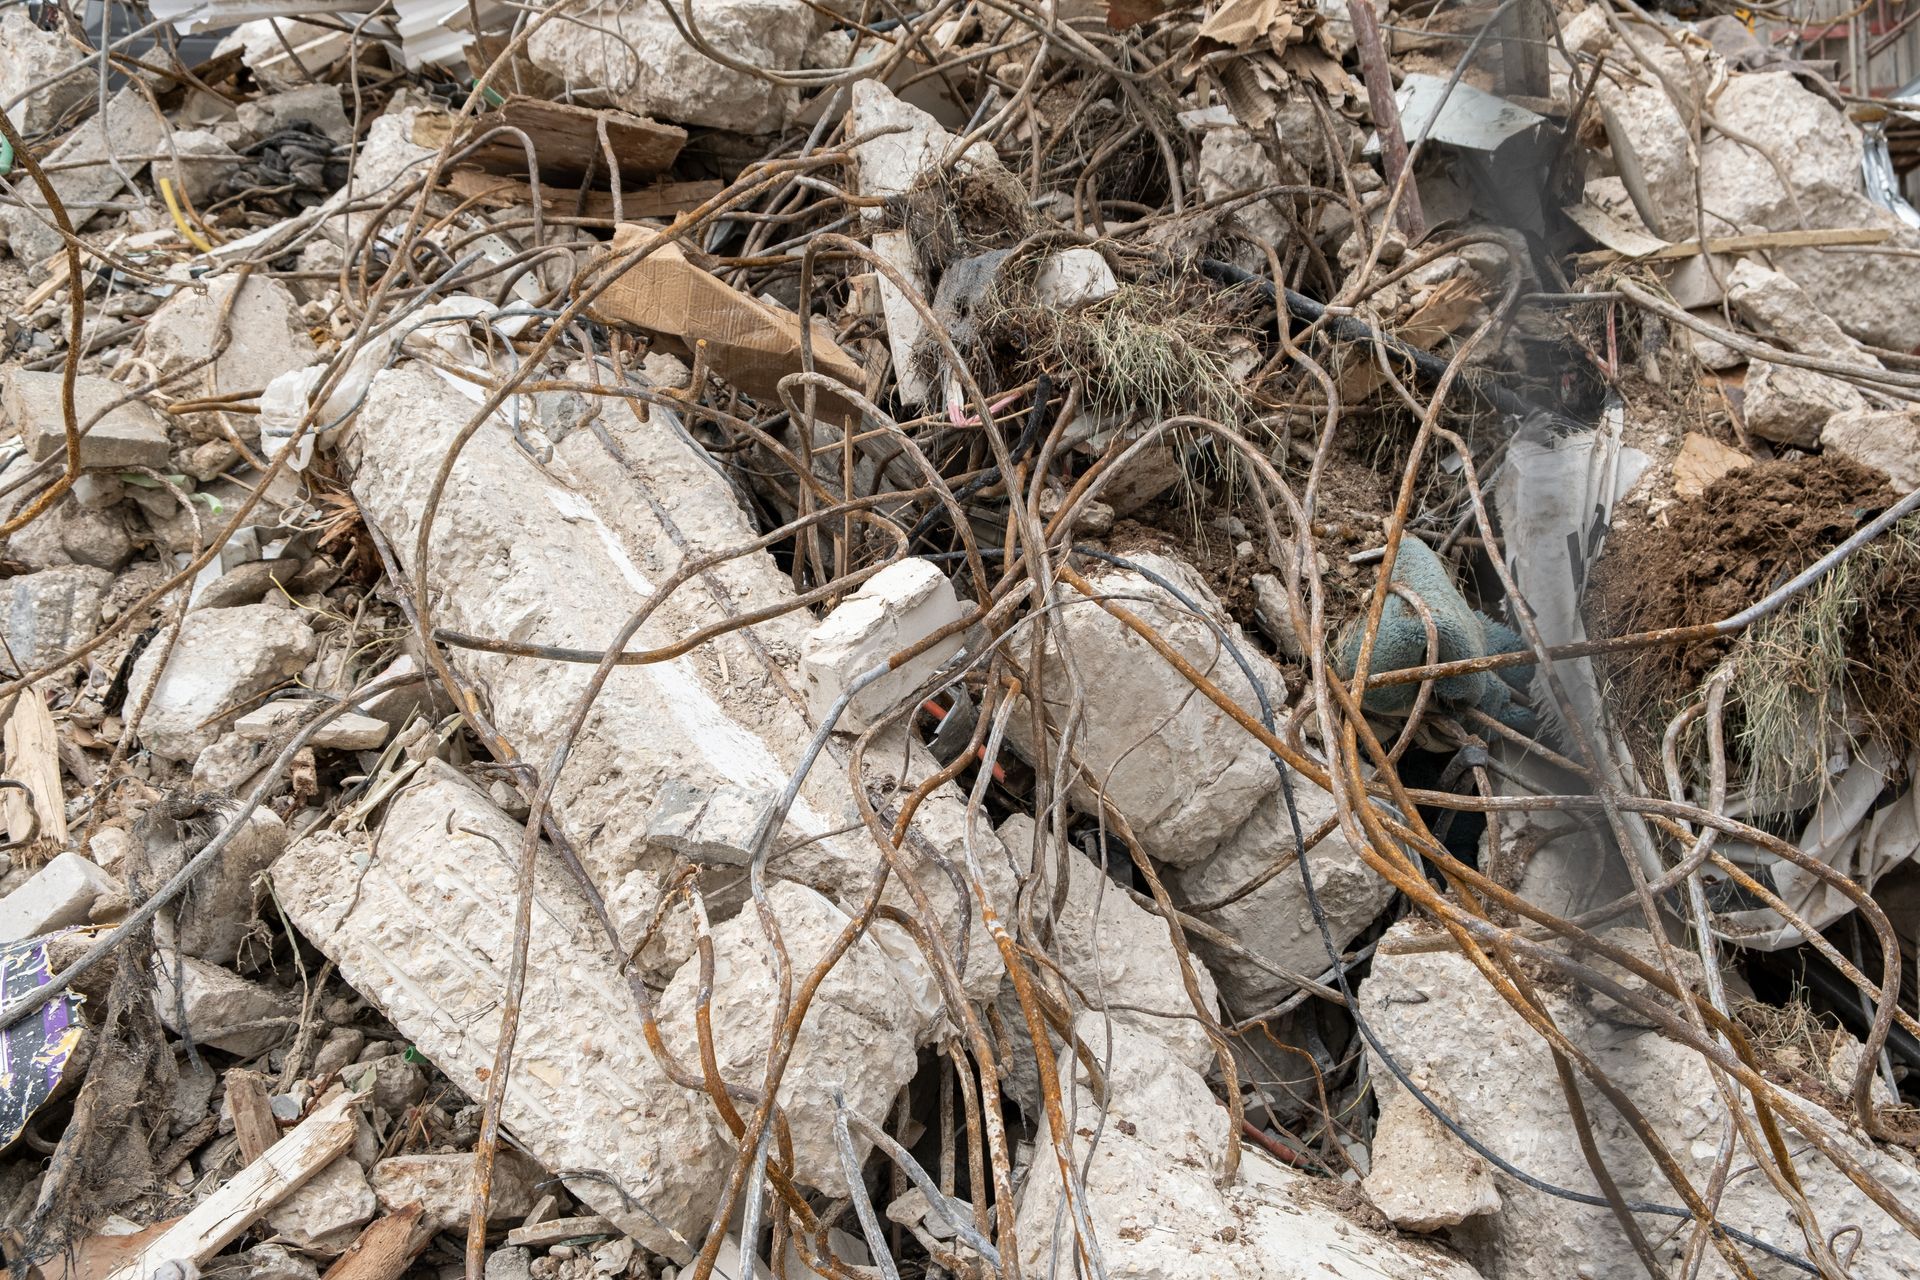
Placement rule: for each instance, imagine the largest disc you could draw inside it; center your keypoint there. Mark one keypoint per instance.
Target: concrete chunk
(890, 163)
(316, 104)
(1184, 774)
(1275, 921)
(348, 731)
(443, 1185)
(1889, 440)
(1790, 405)
(635, 57)
(222, 658)
(51, 612)
(83, 172)
(897, 607)
(268, 337)
(1422, 1177)
(713, 828)
(1454, 1035)
(132, 435)
(1111, 948)
(327, 1211)
(1075, 278)
(59, 895)
(29, 56)
(220, 1005)
(1157, 1202)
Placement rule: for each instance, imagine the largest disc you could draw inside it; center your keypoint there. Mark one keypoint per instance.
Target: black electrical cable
(1340, 974)
(1425, 363)
(1029, 436)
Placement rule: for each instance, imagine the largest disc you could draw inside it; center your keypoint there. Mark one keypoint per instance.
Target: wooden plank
(33, 756)
(254, 1126)
(659, 200)
(218, 1220)
(566, 140)
(1739, 244)
(385, 1249)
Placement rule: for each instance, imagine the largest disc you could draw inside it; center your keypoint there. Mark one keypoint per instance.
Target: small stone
(245, 584)
(68, 533)
(59, 895)
(510, 1263)
(286, 1107)
(342, 1044)
(97, 491)
(1075, 278)
(275, 1262)
(396, 1083)
(443, 1186)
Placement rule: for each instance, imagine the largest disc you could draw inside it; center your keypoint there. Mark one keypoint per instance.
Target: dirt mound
(1751, 531)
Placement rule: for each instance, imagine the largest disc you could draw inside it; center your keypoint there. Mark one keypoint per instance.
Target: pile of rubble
(749, 638)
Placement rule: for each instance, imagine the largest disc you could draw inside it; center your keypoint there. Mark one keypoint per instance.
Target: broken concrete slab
(442, 1184)
(1422, 1177)
(1112, 949)
(38, 75)
(1158, 1201)
(635, 57)
(1790, 405)
(1183, 774)
(893, 610)
(424, 933)
(266, 337)
(901, 144)
(1887, 439)
(222, 1008)
(594, 530)
(1275, 921)
(87, 172)
(1449, 1029)
(46, 614)
(223, 658)
(324, 1215)
(131, 435)
(58, 896)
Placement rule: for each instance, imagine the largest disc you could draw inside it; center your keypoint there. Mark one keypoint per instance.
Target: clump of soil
(1751, 531)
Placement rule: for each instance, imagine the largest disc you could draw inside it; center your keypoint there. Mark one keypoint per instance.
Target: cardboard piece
(751, 344)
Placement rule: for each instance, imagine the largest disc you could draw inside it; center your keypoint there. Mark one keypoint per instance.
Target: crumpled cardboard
(751, 344)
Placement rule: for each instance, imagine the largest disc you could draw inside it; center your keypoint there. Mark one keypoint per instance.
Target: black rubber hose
(1425, 363)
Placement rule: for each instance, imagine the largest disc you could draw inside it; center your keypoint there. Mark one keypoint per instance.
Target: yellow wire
(194, 238)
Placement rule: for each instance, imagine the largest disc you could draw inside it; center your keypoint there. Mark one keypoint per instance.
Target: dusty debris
(507, 434)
